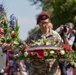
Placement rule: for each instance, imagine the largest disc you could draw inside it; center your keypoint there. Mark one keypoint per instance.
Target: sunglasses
(42, 23)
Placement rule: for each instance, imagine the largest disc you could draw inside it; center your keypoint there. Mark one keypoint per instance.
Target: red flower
(57, 52)
(60, 43)
(12, 34)
(31, 53)
(1, 30)
(67, 47)
(40, 54)
(29, 44)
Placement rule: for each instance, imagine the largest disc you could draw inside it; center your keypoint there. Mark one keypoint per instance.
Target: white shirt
(69, 73)
(72, 38)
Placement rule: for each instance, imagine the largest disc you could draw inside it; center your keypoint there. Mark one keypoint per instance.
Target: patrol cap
(42, 16)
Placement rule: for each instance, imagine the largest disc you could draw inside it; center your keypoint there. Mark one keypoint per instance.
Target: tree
(61, 11)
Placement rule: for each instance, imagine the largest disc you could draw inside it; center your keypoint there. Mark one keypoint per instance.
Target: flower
(1, 7)
(28, 44)
(62, 52)
(25, 54)
(31, 53)
(52, 52)
(16, 55)
(43, 50)
(40, 54)
(13, 33)
(57, 52)
(45, 54)
(67, 47)
(60, 43)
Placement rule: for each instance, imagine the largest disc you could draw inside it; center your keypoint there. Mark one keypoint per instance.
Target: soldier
(42, 68)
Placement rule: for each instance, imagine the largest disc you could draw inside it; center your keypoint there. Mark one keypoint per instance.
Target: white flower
(62, 52)
(45, 54)
(51, 52)
(55, 45)
(39, 43)
(12, 31)
(47, 43)
(20, 53)
(72, 62)
(16, 55)
(25, 54)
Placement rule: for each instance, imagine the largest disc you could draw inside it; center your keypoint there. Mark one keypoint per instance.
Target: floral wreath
(42, 50)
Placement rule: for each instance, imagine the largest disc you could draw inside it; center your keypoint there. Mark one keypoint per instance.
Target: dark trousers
(63, 66)
(1, 73)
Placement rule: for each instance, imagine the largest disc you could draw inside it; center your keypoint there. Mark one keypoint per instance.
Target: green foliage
(16, 29)
(61, 11)
(11, 34)
(16, 26)
(72, 56)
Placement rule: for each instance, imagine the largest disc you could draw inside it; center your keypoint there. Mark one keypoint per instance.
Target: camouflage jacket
(51, 35)
(44, 68)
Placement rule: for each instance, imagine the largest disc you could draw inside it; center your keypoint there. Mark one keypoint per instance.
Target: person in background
(2, 59)
(19, 68)
(45, 30)
(2, 53)
(4, 47)
(67, 35)
(74, 44)
(10, 61)
(7, 48)
(70, 69)
(74, 71)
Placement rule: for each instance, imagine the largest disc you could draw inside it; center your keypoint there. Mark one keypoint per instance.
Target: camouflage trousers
(44, 68)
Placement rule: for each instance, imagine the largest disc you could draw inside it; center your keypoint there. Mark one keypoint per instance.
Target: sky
(24, 12)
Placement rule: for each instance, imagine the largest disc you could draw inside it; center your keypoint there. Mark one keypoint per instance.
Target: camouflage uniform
(42, 67)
